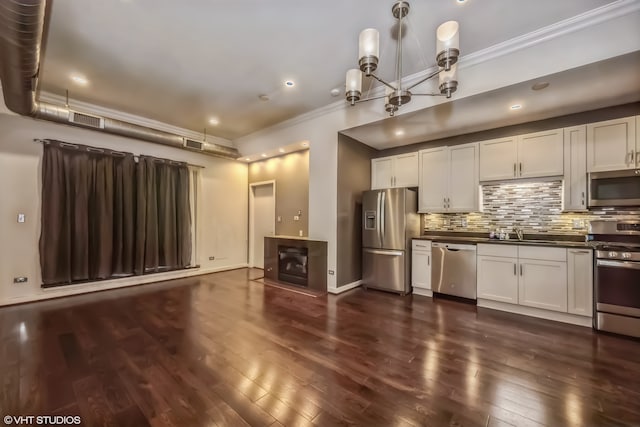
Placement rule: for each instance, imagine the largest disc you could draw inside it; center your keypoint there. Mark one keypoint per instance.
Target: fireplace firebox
(292, 265)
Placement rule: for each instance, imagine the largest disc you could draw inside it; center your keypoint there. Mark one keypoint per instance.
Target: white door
(434, 174)
(382, 173)
(463, 178)
(543, 284)
(262, 220)
(541, 154)
(421, 269)
(498, 159)
(498, 278)
(611, 145)
(580, 277)
(575, 168)
(405, 170)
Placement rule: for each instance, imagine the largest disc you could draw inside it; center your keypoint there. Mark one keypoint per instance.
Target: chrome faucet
(518, 232)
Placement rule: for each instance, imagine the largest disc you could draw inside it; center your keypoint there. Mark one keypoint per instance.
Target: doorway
(262, 219)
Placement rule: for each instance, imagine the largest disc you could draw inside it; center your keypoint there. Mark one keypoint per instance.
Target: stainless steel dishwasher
(453, 271)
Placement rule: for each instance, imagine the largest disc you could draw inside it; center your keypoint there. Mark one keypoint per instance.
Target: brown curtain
(163, 224)
(104, 216)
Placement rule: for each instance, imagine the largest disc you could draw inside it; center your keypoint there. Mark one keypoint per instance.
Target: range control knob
(626, 255)
(613, 254)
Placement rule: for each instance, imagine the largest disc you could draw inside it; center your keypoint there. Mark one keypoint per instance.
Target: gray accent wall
(354, 177)
(291, 174)
(601, 114)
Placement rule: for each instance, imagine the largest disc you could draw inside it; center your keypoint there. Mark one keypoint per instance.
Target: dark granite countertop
(553, 240)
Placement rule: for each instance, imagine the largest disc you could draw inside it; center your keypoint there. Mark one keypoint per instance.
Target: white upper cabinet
(532, 155)
(405, 170)
(575, 169)
(433, 172)
(463, 178)
(611, 145)
(541, 154)
(395, 171)
(449, 179)
(498, 158)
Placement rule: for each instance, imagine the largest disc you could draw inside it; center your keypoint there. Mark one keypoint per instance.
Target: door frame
(252, 186)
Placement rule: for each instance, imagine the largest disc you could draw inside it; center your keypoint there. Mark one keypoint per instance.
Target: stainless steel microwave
(614, 189)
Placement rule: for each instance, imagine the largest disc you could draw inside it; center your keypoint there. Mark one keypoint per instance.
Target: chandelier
(447, 48)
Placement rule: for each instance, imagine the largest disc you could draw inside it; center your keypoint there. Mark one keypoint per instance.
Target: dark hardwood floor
(221, 350)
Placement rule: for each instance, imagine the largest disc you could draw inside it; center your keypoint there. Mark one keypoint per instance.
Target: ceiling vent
(86, 120)
(195, 145)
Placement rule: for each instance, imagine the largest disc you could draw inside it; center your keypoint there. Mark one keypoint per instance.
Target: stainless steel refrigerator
(390, 221)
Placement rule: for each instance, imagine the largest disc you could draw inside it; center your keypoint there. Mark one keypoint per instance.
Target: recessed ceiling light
(214, 121)
(264, 155)
(289, 83)
(248, 159)
(281, 150)
(399, 132)
(78, 79)
(516, 107)
(540, 86)
(461, 1)
(335, 92)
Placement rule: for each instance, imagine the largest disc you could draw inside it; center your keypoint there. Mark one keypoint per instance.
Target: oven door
(618, 287)
(613, 189)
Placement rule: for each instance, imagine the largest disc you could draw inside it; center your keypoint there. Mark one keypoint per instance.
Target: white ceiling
(183, 62)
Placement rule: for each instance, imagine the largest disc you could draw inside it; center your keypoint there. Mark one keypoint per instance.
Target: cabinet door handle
(428, 260)
(514, 169)
(514, 270)
(520, 168)
(521, 269)
(633, 153)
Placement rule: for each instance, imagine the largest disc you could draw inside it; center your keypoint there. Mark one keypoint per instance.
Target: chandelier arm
(382, 81)
(430, 76)
(370, 99)
(428, 94)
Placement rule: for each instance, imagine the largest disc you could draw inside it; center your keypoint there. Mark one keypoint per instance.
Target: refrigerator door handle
(382, 209)
(384, 252)
(378, 217)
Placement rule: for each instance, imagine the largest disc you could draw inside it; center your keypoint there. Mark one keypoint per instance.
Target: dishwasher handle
(454, 247)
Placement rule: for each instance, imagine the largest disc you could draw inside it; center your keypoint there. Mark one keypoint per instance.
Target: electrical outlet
(300, 232)
(446, 222)
(464, 223)
(331, 272)
(296, 217)
(211, 258)
(279, 218)
(21, 218)
(20, 279)
(577, 223)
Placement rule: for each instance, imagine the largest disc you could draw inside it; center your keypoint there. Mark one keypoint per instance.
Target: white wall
(603, 34)
(222, 228)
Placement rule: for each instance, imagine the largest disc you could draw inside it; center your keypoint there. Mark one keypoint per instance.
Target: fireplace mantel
(316, 262)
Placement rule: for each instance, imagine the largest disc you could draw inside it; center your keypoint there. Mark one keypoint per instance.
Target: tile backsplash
(536, 207)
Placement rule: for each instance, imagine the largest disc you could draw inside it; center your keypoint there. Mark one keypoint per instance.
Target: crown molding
(584, 20)
(85, 107)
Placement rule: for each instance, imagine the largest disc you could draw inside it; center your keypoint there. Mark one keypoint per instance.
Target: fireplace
(292, 265)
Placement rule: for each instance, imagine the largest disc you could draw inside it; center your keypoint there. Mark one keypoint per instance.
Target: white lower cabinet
(543, 284)
(580, 281)
(421, 267)
(547, 278)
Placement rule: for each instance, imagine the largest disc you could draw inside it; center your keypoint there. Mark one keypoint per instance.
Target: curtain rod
(135, 156)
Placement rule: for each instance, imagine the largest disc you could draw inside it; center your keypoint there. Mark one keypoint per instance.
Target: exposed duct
(21, 31)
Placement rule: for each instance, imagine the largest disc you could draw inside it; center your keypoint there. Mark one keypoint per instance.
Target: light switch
(21, 217)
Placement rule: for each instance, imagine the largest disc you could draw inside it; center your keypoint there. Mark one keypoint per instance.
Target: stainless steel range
(617, 275)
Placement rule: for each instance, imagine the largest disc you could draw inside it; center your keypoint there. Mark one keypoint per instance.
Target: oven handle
(619, 264)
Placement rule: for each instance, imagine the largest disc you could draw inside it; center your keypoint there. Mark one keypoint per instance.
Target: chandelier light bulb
(353, 85)
(448, 81)
(448, 44)
(369, 50)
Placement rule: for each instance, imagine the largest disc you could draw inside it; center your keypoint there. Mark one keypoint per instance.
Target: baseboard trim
(85, 288)
(345, 288)
(423, 292)
(536, 312)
